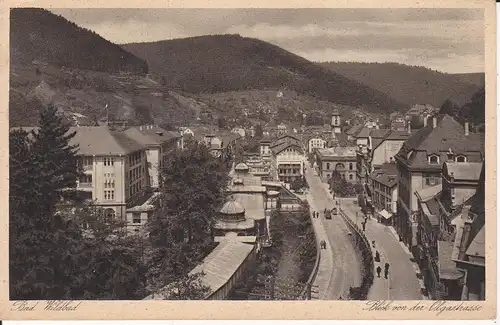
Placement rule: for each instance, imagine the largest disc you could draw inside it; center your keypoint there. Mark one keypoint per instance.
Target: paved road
(346, 270)
(403, 283)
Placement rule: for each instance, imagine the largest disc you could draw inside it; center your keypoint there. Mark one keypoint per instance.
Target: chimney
(376, 126)
(409, 128)
(466, 128)
(425, 120)
(434, 122)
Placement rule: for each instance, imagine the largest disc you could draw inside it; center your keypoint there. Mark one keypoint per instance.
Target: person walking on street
(364, 226)
(379, 269)
(386, 270)
(373, 243)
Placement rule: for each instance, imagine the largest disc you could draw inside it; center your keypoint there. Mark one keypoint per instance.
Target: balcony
(87, 167)
(85, 185)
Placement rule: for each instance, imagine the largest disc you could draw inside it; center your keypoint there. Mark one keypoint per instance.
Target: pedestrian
(377, 256)
(386, 270)
(373, 243)
(379, 269)
(364, 226)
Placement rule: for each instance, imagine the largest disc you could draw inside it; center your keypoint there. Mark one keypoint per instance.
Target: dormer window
(461, 159)
(433, 159)
(449, 157)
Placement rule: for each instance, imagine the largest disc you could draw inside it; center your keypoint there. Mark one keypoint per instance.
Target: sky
(447, 40)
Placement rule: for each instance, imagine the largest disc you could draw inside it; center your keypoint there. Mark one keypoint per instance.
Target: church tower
(336, 121)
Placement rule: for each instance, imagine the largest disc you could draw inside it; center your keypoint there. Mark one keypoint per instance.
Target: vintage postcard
(248, 160)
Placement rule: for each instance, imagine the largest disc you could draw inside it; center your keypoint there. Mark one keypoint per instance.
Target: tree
(188, 287)
(448, 107)
(221, 123)
(258, 130)
(340, 186)
(474, 110)
(55, 157)
(50, 257)
(193, 184)
(42, 245)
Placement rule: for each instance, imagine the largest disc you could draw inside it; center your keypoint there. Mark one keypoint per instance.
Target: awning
(385, 214)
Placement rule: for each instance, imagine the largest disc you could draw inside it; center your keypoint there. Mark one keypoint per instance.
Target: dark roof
(398, 135)
(379, 133)
(150, 135)
(353, 130)
(386, 174)
(448, 134)
(433, 206)
(364, 133)
(279, 148)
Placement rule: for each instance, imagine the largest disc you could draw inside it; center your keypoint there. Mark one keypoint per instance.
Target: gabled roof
(477, 246)
(386, 174)
(287, 144)
(398, 135)
(353, 130)
(364, 133)
(379, 133)
(429, 192)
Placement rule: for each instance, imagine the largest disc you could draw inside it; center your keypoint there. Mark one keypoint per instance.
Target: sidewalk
(325, 267)
(402, 283)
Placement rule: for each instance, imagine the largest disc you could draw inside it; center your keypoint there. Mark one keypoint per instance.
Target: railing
(366, 255)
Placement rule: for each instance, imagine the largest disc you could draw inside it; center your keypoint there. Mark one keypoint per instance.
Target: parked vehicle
(335, 211)
(328, 214)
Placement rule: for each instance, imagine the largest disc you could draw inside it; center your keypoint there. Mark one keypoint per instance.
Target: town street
(345, 269)
(403, 283)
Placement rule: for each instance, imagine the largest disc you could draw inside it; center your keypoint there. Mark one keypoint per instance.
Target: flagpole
(107, 114)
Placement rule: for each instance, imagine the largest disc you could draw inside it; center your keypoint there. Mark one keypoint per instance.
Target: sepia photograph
(242, 154)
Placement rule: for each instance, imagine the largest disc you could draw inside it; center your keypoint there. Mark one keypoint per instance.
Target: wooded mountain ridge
(37, 34)
(411, 84)
(222, 63)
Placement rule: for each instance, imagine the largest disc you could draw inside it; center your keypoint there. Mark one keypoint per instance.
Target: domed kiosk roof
(241, 166)
(232, 207)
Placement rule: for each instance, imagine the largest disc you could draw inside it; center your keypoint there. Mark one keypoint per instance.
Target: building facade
(384, 189)
(443, 212)
(288, 158)
(420, 162)
(338, 159)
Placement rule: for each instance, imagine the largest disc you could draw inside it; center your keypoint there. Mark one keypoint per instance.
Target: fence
(363, 245)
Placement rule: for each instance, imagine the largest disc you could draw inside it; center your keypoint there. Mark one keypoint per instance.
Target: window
(109, 214)
(136, 218)
(350, 166)
(431, 179)
(327, 165)
(433, 159)
(350, 177)
(109, 194)
(86, 179)
(449, 157)
(461, 159)
(87, 161)
(109, 161)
